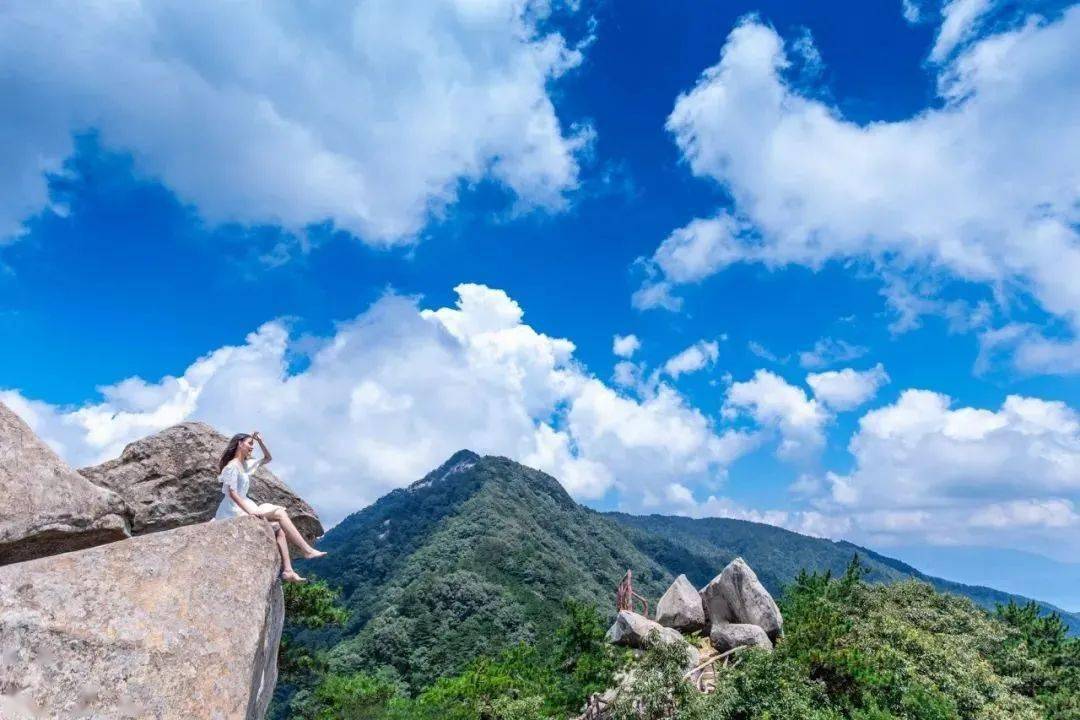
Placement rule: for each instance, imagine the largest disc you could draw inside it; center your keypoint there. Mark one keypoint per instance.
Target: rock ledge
(178, 624)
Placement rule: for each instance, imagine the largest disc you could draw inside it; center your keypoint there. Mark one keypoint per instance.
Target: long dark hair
(230, 451)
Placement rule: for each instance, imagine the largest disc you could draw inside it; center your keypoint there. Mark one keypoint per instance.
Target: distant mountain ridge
(778, 554)
(1054, 580)
(985, 596)
(482, 552)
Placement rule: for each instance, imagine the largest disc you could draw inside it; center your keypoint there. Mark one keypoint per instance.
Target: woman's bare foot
(314, 554)
(292, 577)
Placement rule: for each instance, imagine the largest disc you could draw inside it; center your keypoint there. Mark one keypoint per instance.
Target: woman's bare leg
(282, 517)
(287, 572)
(283, 547)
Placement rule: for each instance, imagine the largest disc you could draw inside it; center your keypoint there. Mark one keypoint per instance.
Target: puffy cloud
(958, 21)
(714, 506)
(772, 402)
(646, 440)
(1055, 513)
(689, 255)
(693, 358)
(371, 114)
(680, 500)
(625, 346)
(977, 189)
(1030, 350)
(927, 471)
(828, 351)
(627, 374)
(396, 390)
(847, 389)
(655, 295)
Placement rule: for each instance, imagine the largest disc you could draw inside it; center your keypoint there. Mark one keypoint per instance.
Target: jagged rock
(46, 507)
(681, 607)
(169, 480)
(725, 636)
(737, 596)
(178, 624)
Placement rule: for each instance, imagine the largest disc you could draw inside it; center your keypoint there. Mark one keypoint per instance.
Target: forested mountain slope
(483, 552)
(477, 555)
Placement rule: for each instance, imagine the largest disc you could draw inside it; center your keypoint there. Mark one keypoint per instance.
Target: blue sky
(893, 184)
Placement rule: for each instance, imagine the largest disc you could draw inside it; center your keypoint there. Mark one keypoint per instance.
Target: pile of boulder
(117, 600)
(734, 607)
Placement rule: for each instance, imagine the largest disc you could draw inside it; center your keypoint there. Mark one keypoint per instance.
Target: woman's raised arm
(267, 457)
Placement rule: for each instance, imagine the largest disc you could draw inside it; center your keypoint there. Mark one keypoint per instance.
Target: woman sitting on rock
(236, 468)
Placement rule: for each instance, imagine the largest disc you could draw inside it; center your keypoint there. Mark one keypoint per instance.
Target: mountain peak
(459, 462)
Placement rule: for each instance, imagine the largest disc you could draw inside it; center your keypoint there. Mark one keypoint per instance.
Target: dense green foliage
(308, 606)
(1052, 673)
(544, 681)
(701, 547)
(454, 591)
(858, 651)
(851, 651)
(466, 563)
(313, 605)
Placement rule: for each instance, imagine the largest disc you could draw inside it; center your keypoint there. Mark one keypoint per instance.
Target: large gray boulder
(170, 479)
(737, 596)
(726, 636)
(633, 630)
(178, 624)
(681, 607)
(46, 507)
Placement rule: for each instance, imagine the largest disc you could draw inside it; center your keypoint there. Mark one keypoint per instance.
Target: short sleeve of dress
(228, 479)
(251, 465)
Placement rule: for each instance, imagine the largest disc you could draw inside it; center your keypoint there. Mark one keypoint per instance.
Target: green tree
(1045, 660)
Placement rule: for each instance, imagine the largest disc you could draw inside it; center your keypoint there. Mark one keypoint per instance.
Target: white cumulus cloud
(981, 188)
(396, 390)
(371, 114)
(625, 346)
(772, 402)
(958, 21)
(928, 472)
(693, 358)
(847, 389)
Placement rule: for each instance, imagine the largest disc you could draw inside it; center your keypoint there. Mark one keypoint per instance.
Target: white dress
(237, 476)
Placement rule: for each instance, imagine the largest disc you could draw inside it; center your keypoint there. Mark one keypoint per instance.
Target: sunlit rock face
(737, 596)
(681, 607)
(46, 507)
(177, 624)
